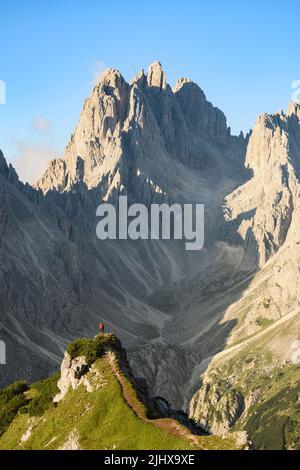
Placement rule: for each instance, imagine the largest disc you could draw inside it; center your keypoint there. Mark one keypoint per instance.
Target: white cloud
(41, 124)
(31, 159)
(32, 154)
(98, 69)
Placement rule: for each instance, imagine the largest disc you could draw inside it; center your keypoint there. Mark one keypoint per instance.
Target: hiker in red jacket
(101, 327)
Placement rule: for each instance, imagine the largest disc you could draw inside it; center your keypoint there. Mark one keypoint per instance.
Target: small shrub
(12, 390)
(47, 389)
(78, 347)
(92, 348)
(12, 399)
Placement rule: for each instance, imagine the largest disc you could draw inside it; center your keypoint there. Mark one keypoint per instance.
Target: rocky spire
(180, 83)
(112, 78)
(139, 79)
(136, 120)
(156, 76)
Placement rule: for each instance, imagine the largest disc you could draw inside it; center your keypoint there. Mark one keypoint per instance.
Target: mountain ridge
(174, 311)
(146, 172)
(99, 392)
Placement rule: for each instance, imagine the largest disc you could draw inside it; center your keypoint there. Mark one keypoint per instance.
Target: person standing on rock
(101, 327)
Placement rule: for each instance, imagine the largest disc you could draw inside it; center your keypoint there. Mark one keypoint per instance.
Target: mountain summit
(206, 329)
(128, 132)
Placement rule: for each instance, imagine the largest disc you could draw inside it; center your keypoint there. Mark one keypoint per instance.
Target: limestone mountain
(153, 144)
(130, 136)
(229, 311)
(254, 383)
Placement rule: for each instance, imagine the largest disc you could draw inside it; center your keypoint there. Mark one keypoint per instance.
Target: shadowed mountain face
(169, 306)
(254, 383)
(153, 144)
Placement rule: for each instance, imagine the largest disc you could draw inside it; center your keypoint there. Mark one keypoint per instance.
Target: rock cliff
(173, 310)
(261, 354)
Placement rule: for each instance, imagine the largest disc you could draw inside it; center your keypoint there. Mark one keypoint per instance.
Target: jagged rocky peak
(133, 125)
(267, 206)
(54, 176)
(203, 117)
(156, 76)
(140, 79)
(111, 77)
(181, 82)
(274, 140)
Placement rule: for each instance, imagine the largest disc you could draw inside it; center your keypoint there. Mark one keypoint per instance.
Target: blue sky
(244, 55)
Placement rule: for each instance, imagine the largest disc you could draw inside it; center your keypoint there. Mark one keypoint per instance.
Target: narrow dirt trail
(166, 424)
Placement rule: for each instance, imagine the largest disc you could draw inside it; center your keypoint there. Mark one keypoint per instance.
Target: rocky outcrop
(217, 407)
(266, 213)
(156, 76)
(203, 118)
(72, 443)
(28, 432)
(76, 372)
(265, 206)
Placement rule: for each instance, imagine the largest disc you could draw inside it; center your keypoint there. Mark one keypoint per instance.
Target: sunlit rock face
(152, 143)
(262, 349)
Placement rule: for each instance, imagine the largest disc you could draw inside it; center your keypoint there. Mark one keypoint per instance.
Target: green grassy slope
(111, 417)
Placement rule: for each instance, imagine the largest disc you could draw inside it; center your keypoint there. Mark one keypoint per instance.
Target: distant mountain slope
(258, 376)
(98, 407)
(229, 311)
(151, 143)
